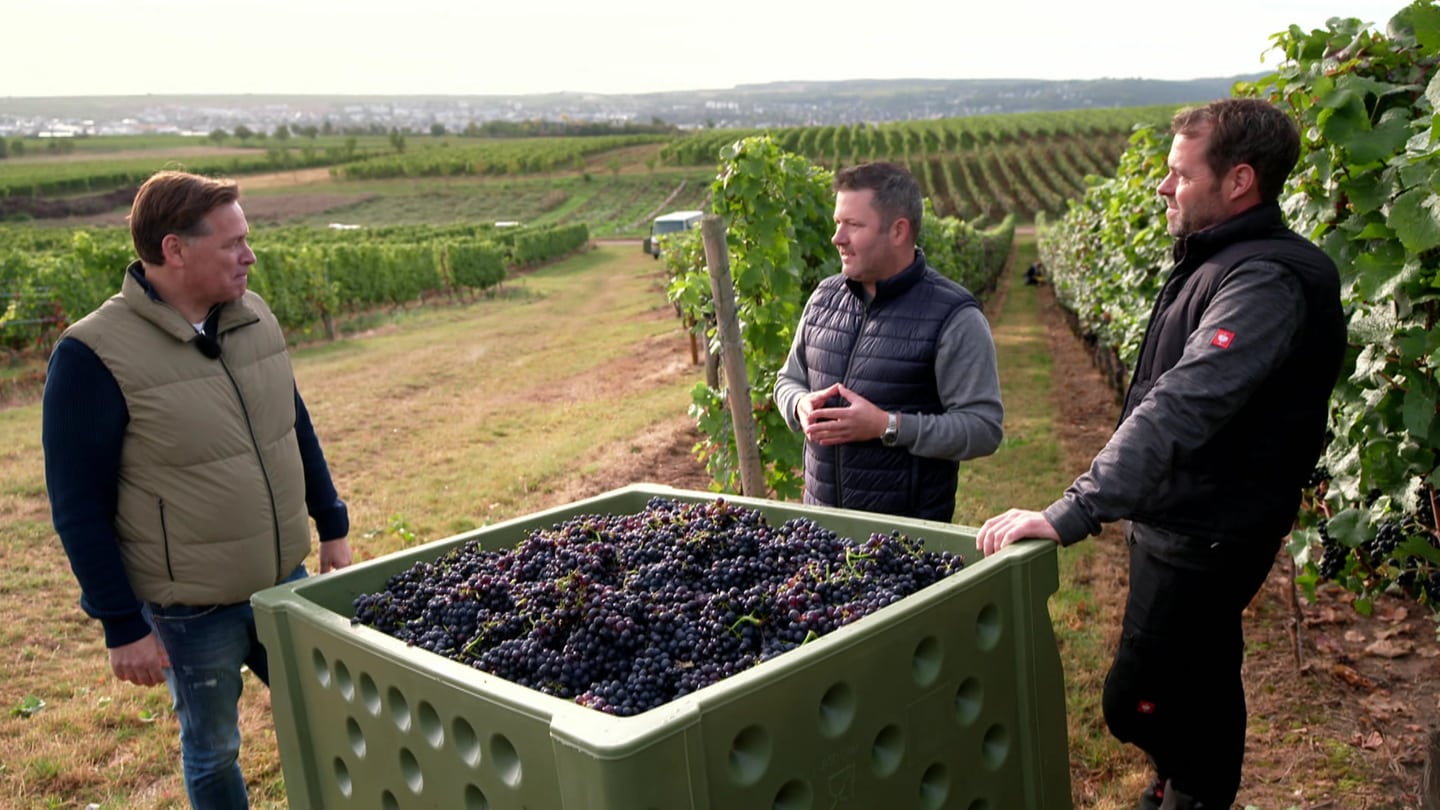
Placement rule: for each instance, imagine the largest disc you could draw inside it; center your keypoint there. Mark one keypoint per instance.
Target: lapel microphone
(206, 341)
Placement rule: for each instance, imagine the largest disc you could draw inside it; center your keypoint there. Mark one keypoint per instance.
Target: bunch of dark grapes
(623, 613)
(1420, 579)
(1424, 517)
(1318, 476)
(1387, 538)
(1332, 557)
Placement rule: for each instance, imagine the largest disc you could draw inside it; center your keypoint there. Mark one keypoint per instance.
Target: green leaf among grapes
(1418, 547)
(1367, 193)
(1350, 527)
(1385, 459)
(1417, 344)
(1424, 21)
(1380, 272)
(1419, 414)
(1416, 218)
(1370, 326)
(1370, 363)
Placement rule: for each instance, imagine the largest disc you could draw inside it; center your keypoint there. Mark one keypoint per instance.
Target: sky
(505, 47)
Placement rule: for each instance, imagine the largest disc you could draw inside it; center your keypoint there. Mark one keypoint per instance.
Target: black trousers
(1174, 689)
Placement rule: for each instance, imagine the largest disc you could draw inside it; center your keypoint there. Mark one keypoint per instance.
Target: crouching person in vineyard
(891, 375)
(1222, 424)
(181, 464)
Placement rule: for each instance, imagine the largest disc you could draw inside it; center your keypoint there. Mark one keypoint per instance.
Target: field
(571, 380)
(977, 168)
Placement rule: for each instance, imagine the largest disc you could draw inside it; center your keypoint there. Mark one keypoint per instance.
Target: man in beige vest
(183, 469)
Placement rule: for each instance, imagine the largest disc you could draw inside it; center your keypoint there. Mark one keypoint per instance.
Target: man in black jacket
(1223, 422)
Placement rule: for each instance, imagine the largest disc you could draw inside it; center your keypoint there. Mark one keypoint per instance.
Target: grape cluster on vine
(1332, 556)
(623, 613)
(1388, 556)
(1386, 539)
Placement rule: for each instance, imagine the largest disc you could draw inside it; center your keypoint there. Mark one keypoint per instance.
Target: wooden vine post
(732, 356)
(1430, 785)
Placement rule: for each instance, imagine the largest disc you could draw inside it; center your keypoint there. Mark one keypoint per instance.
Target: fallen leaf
(1391, 613)
(1384, 648)
(1391, 632)
(1351, 677)
(1326, 615)
(1382, 703)
(1370, 741)
(1326, 644)
(1354, 636)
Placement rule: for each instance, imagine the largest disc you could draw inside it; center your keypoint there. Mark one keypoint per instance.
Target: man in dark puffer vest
(1222, 425)
(892, 372)
(181, 464)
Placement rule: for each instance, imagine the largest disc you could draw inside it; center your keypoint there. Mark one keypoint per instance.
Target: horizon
(682, 91)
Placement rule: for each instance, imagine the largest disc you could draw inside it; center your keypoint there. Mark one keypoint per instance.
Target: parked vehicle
(673, 222)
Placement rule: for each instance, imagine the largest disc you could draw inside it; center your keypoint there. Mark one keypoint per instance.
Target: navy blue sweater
(84, 427)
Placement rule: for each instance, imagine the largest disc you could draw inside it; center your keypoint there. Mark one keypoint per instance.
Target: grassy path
(1031, 468)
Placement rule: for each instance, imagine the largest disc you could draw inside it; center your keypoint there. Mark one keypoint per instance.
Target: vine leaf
(1416, 219)
(1350, 527)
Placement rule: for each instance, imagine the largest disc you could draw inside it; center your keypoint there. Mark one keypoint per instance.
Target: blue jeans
(207, 645)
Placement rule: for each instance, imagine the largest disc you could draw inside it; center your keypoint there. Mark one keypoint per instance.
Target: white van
(673, 222)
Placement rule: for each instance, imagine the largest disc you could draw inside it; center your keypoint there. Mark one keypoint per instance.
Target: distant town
(777, 104)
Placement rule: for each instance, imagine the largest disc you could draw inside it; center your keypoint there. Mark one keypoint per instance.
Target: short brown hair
(897, 194)
(1245, 130)
(174, 202)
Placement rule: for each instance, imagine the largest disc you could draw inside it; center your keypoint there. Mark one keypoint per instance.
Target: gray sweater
(965, 375)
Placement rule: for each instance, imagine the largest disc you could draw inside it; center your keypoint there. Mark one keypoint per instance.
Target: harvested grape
(623, 613)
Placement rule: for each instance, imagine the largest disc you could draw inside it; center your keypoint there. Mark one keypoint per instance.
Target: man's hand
(334, 554)
(1016, 524)
(825, 420)
(142, 662)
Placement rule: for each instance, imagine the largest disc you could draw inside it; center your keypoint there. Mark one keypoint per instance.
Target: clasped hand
(837, 415)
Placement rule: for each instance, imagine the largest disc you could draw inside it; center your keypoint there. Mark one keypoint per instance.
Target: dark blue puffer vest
(884, 351)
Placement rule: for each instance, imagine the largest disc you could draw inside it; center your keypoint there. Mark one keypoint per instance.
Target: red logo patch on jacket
(1223, 338)
(1145, 707)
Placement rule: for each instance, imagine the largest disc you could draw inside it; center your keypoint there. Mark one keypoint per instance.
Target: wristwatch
(892, 430)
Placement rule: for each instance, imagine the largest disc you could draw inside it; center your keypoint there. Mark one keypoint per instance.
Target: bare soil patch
(178, 154)
(279, 209)
(290, 179)
(272, 209)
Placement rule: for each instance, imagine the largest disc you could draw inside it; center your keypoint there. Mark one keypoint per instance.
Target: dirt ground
(1338, 722)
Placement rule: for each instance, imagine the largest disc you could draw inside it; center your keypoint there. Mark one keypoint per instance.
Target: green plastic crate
(950, 698)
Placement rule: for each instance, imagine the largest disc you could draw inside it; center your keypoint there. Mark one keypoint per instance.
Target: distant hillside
(845, 102)
(795, 103)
